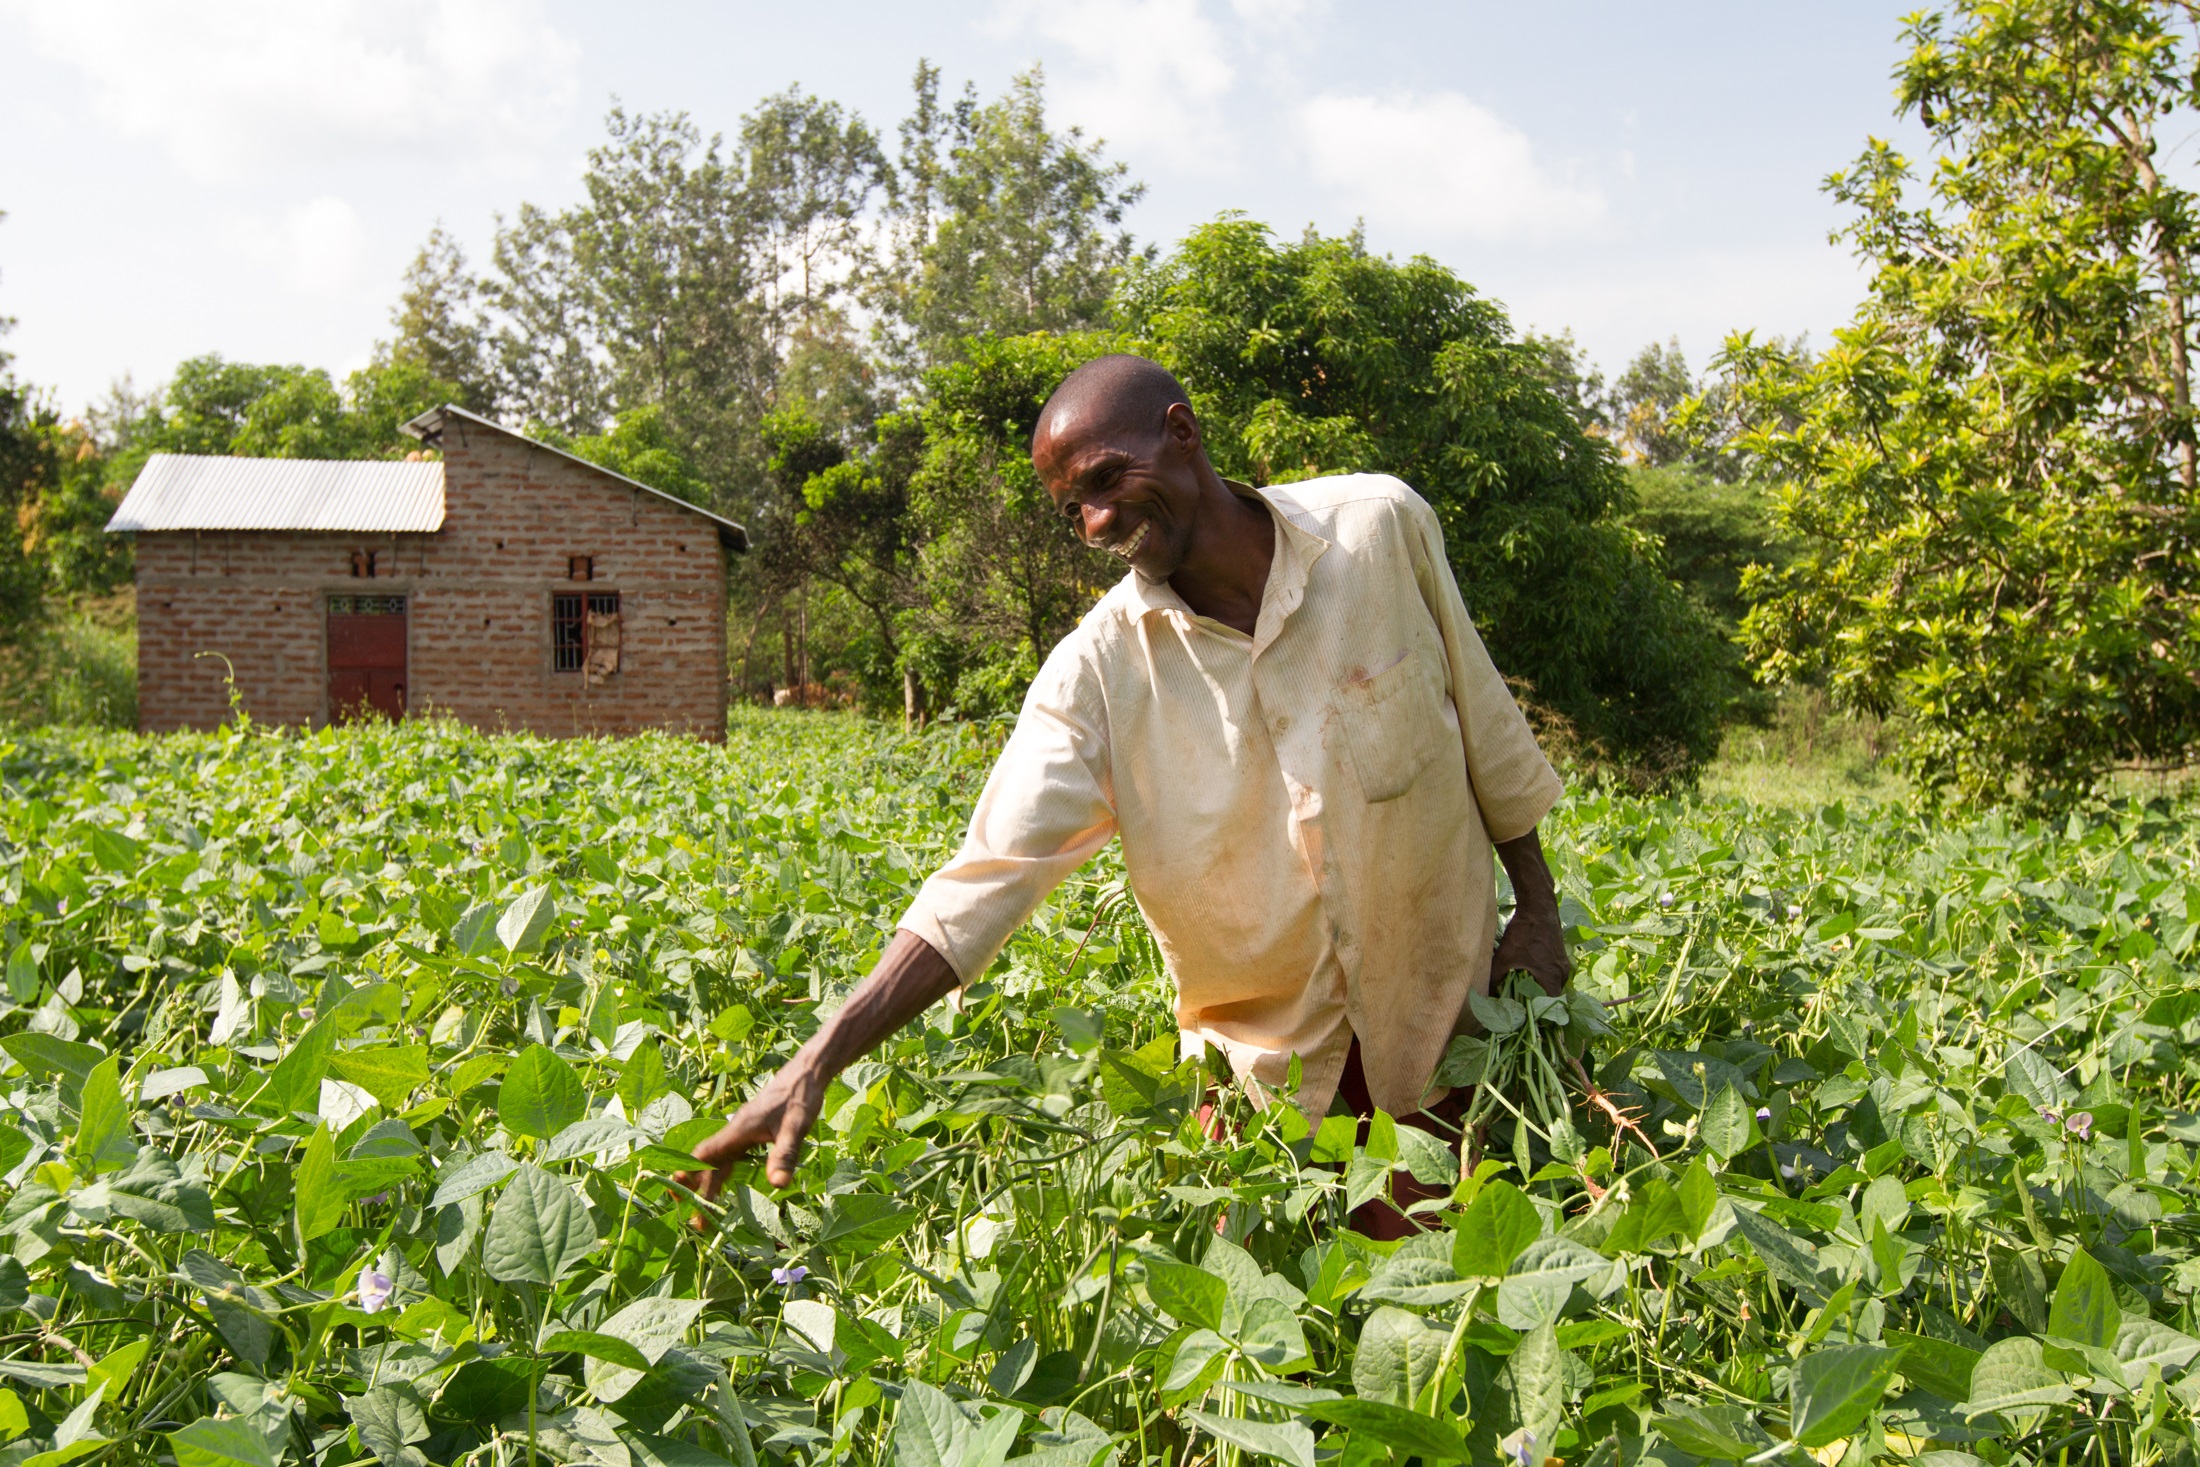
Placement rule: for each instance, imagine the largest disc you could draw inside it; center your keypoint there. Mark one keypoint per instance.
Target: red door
(366, 657)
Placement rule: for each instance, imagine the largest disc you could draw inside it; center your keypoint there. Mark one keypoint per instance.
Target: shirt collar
(1297, 551)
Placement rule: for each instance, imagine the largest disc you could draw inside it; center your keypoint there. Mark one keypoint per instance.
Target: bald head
(1110, 394)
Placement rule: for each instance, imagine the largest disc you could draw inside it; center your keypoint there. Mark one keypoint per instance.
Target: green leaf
(473, 933)
(1397, 1357)
(541, 1095)
(1194, 1367)
(643, 1078)
(2084, 1309)
(1786, 1257)
(23, 978)
(1699, 1198)
(389, 1073)
(1409, 1432)
(116, 1367)
(389, 1420)
(2012, 1380)
(1940, 1366)
(596, 1347)
(524, 922)
(480, 1391)
(1534, 1375)
(2143, 1342)
(1270, 1334)
(294, 1085)
(2021, 1285)
(929, 1429)
(1365, 1179)
(227, 1442)
(1286, 1442)
(1189, 1295)
(1431, 1162)
(646, 1450)
(1543, 1280)
(1729, 1126)
(38, 1373)
(321, 1197)
(1497, 1014)
(48, 1056)
(1723, 1432)
(103, 1130)
(649, 1327)
(1334, 1141)
(115, 852)
(1833, 1391)
(538, 1231)
(474, 1175)
(1498, 1227)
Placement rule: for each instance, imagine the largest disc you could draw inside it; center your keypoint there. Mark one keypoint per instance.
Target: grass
(75, 669)
(1808, 754)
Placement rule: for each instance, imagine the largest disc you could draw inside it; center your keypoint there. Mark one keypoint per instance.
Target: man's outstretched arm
(910, 977)
(1534, 939)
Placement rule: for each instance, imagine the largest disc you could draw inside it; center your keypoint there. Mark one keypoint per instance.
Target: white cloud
(1146, 75)
(1442, 166)
(231, 87)
(316, 249)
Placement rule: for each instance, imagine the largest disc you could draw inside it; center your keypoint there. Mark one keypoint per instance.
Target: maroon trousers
(1379, 1219)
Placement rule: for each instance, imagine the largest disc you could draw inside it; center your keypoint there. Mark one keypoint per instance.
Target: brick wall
(477, 605)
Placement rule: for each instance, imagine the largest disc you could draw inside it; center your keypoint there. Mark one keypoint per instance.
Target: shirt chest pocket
(1392, 727)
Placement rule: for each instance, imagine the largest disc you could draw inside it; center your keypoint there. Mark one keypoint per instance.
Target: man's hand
(778, 1116)
(909, 978)
(1535, 939)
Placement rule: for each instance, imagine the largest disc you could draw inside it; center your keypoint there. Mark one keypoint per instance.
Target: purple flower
(788, 1277)
(1524, 1451)
(2080, 1125)
(1665, 899)
(377, 1199)
(375, 1290)
(2051, 1115)
(1764, 1112)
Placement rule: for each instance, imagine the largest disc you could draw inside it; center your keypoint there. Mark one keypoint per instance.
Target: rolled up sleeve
(1514, 785)
(1045, 811)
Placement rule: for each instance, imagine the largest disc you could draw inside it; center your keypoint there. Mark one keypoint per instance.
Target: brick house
(510, 585)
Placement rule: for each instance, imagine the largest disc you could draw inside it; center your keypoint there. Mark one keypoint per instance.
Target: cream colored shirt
(1306, 813)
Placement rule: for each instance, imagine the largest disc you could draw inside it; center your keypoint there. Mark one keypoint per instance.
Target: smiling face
(1130, 489)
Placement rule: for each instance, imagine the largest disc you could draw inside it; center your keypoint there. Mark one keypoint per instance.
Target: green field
(347, 1073)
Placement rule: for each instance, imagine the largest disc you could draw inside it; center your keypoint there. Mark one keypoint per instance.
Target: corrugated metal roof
(188, 491)
(430, 425)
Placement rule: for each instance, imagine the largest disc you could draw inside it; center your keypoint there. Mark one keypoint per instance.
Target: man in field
(1285, 714)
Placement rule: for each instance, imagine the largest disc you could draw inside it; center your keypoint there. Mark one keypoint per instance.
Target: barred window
(577, 629)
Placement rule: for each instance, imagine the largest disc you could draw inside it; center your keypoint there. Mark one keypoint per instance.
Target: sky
(250, 177)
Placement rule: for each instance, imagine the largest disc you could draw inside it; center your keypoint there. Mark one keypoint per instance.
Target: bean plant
(348, 1075)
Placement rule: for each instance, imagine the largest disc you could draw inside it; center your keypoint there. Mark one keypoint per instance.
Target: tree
(812, 169)
(1992, 472)
(1644, 401)
(998, 225)
(439, 327)
(1004, 578)
(1317, 357)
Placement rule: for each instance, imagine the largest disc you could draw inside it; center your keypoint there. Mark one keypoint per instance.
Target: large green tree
(1316, 357)
(996, 224)
(1992, 472)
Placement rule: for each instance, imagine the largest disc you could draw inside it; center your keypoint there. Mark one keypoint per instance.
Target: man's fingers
(794, 1125)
